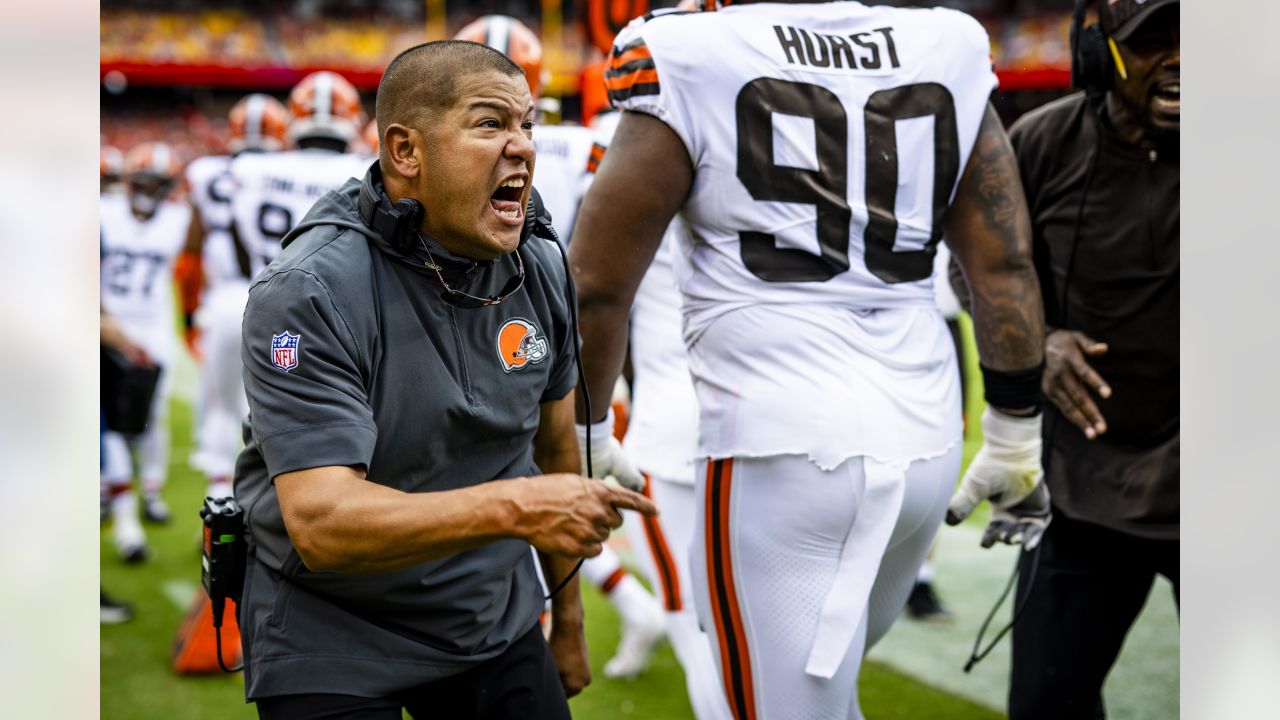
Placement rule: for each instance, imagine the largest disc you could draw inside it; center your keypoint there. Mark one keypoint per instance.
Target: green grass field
(137, 683)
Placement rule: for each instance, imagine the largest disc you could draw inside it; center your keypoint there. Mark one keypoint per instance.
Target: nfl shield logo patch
(284, 350)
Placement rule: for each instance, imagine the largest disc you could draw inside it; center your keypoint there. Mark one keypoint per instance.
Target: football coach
(409, 365)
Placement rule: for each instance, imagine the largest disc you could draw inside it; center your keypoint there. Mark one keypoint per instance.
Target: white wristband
(600, 432)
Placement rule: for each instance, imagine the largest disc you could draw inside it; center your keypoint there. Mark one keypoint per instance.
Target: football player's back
(828, 140)
(211, 186)
(814, 159)
(275, 190)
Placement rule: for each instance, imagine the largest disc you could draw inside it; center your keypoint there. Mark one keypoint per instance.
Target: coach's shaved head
(422, 82)
(455, 126)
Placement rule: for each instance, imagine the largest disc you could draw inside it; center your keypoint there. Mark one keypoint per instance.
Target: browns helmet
(519, 344)
(324, 105)
(150, 170)
(257, 122)
(152, 160)
(512, 38)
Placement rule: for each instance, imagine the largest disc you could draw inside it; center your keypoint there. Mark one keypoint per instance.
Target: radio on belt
(222, 567)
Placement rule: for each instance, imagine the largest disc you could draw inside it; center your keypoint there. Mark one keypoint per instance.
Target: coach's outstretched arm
(642, 182)
(989, 233)
(341, 522)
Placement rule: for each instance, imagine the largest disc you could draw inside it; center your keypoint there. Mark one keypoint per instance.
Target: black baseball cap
(1121, 17)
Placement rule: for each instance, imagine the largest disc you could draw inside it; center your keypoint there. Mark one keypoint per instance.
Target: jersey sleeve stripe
(617, 96)
(618, 70)
(597, 154)
(625, 81)
(620, 61)
(638, 43)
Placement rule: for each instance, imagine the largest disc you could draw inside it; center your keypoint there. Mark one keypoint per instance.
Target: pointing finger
(629, 500)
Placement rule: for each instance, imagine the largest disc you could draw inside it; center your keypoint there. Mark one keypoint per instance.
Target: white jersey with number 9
(827, 142)
(275, 190)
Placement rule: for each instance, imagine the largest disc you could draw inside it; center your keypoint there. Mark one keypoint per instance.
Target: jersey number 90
(827, 187)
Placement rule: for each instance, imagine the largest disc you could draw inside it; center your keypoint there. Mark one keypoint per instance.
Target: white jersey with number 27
(827, 142)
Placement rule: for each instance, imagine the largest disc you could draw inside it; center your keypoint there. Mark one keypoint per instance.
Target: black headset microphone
(398, 223)
(1095, 60)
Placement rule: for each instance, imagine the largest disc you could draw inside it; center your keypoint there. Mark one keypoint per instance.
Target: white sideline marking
(179, 592)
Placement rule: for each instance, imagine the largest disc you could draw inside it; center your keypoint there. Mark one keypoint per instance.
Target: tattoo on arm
(989, 230)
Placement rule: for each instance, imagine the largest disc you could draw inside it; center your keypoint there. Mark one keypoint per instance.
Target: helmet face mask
(147, 190)
(151, 172)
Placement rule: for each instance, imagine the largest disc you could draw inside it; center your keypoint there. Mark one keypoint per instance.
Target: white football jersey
(827, 142)
(827, 139)
(662, 435)
(275, 190)
(209, 179)
(562, 159)
(137, 268)
(943, 295)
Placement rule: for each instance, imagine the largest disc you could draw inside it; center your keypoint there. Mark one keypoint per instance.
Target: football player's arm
(989, 232)
(111, 335)
(188, 274)
(988, 229)
(642, 182)
(555, 450)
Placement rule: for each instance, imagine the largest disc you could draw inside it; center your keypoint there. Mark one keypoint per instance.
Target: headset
(398, 224)
(1094, 56)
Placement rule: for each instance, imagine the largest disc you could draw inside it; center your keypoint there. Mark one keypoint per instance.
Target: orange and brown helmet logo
(520, 345)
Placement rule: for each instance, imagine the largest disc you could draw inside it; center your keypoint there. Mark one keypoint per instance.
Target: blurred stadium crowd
(171, 70)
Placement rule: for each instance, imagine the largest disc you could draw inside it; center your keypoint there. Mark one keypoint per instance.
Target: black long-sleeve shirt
(1121, 288)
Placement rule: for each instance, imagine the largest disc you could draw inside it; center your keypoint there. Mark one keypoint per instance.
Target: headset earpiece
(397, 224)
(537, 220)
(1091, 57)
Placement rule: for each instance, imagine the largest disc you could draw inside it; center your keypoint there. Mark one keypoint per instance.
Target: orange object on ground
(195, 647)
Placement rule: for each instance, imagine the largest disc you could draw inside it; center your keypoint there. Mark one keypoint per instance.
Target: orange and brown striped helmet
(512, 38)
(257, 122)
(154, 161)
(324, 105)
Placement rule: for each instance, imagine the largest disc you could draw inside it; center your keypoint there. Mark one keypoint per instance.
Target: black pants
(521, 683)
(1090, 584)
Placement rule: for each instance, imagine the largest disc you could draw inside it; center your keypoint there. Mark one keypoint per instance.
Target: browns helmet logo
(519, 345)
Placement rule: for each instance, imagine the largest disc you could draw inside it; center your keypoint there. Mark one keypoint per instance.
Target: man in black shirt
(1101, 175)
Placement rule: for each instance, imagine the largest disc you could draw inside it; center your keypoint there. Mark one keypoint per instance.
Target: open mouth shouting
(507, 201)
(1167, 97)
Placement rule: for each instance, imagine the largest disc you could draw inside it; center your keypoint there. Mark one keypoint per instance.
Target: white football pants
(223, 406)
(773, 550)
(668, 539)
